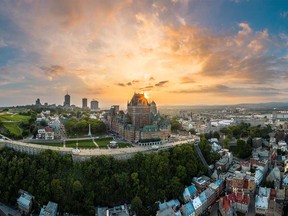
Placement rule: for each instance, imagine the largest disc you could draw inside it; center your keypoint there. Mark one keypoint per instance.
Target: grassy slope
(13, 126)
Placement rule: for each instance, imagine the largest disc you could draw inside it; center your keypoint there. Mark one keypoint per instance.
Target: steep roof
(138, 99)
(189, 208)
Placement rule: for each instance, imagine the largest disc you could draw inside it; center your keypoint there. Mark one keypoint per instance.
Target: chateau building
(141, 124)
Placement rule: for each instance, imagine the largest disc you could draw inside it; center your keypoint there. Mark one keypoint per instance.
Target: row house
(229, 204)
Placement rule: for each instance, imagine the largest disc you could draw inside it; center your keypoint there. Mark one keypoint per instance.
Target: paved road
(5, 210)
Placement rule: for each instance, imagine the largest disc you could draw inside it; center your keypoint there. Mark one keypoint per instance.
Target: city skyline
(178, 52)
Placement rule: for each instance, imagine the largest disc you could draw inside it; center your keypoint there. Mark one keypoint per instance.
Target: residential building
(197, 206)
(46, 133)
(234, 202)
(188, 209)
(224, 163)
(217, 187)
(210, 196)
(275, 176)
(170, 208)
(25, 202)
(257, 142)
(49, 210)
(122, 210)
(262, 201)
(189, 193)
(201, 182)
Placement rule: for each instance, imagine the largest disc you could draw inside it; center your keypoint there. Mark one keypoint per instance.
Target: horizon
(179, 51)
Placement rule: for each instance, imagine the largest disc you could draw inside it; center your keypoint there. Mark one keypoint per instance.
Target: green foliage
(206, 148)
(192, 131)
(242, 150)
(269, 184)
(15, 126)
(211, 134)
(99, 181)
(80, 127)
(245, 130)
(175, 125)
(43, 123)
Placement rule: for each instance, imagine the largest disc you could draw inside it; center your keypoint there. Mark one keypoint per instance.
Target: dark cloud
(147, 88)
(224, 90)
(187, 79)
(129, 84)
(135, 81)
(151, 78)
(121, 84)
(53, 70)
(160, 84)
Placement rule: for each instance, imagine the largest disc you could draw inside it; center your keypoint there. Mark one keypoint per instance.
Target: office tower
(94, 105)
(84, 103)
(67, 100)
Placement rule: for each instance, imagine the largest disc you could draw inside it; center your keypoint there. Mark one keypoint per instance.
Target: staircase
(198, 150)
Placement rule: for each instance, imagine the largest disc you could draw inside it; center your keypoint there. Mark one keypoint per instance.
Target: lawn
(13, 127)
(102, 143)
(124, 145)
(81, 144)
(17, 117)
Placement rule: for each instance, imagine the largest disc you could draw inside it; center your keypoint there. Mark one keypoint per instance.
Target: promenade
(117, 152)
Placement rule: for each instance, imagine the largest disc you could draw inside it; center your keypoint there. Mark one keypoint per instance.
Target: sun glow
(146, 95)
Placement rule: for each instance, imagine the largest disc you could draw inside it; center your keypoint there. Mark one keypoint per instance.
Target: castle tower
(139, 111)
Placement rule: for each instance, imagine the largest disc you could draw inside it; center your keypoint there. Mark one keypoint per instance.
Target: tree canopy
(100, 181)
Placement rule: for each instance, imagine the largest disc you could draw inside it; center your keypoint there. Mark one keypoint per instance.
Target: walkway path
(93, 140)
(96, 151)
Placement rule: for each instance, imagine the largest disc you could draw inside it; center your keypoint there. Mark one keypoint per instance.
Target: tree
(243, 150)
(192, 131)
(137, 206)
(175, 124)
(56, 190)
(43, 123)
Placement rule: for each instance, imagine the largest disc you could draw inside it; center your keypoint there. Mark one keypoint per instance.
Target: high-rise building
(66, 100)
(38, 103)
(94, 105)
(84, 103)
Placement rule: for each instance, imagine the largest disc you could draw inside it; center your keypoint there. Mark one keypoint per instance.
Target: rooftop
(138, 99)
(25, 199)
(189, 208)
(197, 203)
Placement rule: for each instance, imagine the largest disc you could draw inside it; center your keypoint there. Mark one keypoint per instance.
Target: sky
(179, 52)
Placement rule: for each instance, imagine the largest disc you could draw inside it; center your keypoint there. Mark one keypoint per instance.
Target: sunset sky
(179, 52)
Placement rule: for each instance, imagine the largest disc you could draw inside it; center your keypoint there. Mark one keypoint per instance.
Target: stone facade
(141, 123)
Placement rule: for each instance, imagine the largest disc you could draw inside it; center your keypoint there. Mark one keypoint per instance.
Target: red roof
(48, 129)
(245, 185)
(226, 203)
(239, 198)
